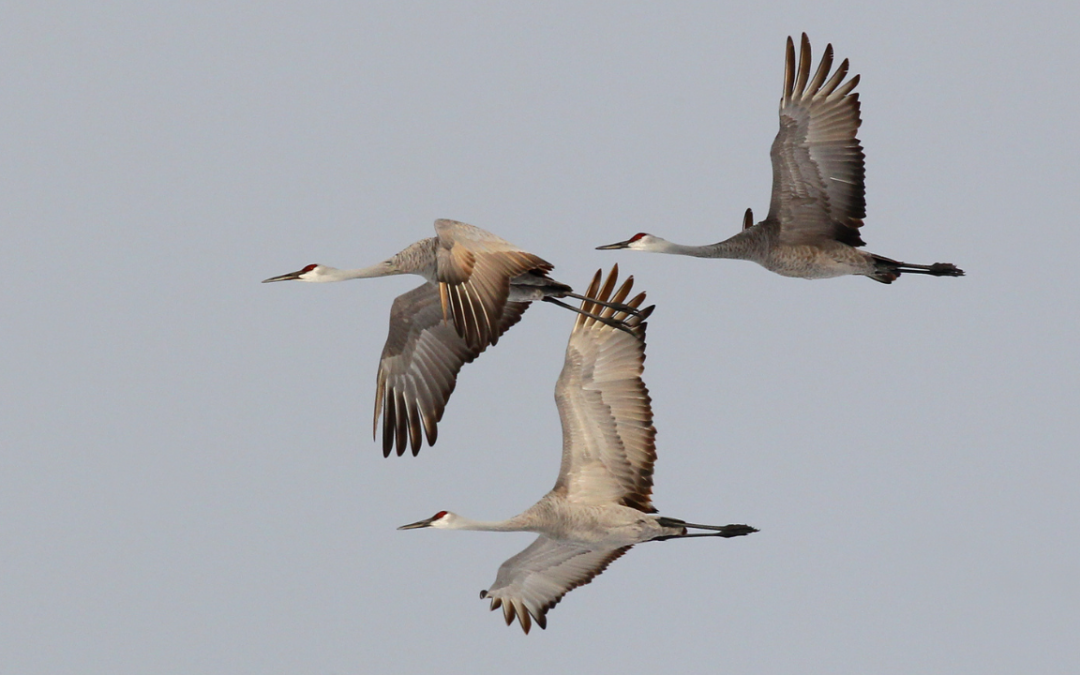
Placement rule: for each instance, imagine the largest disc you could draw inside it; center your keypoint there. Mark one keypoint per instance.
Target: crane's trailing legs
(530, 287)
(614, 323)
(726, 531)
(886, 270)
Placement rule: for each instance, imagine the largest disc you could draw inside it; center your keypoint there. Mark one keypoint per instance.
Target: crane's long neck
(741, 246)
(384, 269)
(515, 524)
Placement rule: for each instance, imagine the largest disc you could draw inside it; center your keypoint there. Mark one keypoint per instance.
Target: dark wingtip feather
(401, 433)
(388, 425)
(849, 236)
(803, 66)
(789, 70)
(590, 292)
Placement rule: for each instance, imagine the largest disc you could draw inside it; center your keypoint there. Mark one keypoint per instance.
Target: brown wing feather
(530, 583)
(609, 442)
(419, 366)
(818, 162)
(477, 267)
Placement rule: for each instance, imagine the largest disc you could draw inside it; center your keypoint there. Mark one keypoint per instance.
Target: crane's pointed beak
(291, 276)
(612, 247)
(418, 524)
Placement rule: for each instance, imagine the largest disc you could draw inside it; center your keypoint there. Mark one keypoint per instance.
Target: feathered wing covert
(474, 271)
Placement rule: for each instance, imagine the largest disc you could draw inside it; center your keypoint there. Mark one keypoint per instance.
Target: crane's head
(309, 273)
(642, 241)
(441, 520)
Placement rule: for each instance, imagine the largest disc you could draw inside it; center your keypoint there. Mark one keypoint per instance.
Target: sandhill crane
(818, 196)
(477, 287)
(601, 503)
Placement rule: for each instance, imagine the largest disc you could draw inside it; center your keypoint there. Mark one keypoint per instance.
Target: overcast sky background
(187, 478)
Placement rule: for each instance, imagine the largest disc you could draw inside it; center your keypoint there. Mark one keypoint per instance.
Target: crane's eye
(308, 269)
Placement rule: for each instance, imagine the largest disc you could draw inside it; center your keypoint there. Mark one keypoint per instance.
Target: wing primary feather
(605, 293)
(804, 66)
(414, 428)
(525, 618)
(789, 71)
(846, 89)
(402, 422)
(431, 427)
(620, 296)
(458, 312)
(585, 305)
(461, 322)
(444, 299)
(835, 80)
(822, 71)
(468, 313)
(389, 425)
(380, 387)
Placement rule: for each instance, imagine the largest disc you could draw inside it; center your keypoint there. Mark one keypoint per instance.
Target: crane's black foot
(945, 270)
(736, 531)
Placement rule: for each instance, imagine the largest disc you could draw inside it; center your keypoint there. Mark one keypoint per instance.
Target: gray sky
(188, 482)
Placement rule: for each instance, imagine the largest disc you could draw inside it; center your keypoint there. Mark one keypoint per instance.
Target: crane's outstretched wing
(474, 269)
(533, 581)
(419, 366)
(609, 443)
(818, 173)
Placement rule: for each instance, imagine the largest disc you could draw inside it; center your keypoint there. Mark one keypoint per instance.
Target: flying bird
(477, 286)
(818, 196)
(601, 504)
